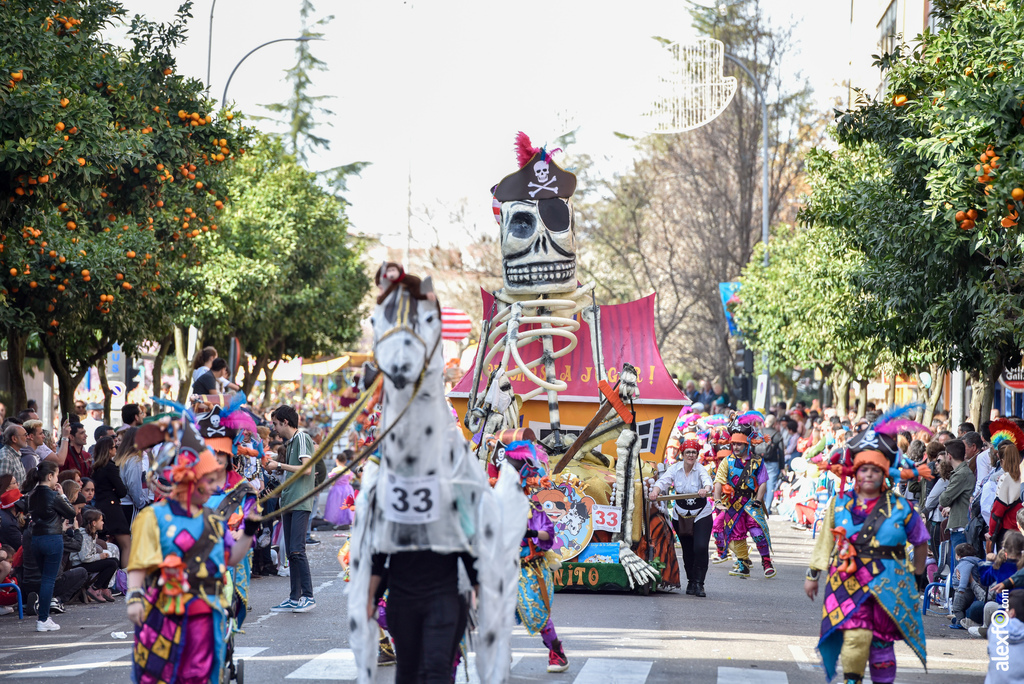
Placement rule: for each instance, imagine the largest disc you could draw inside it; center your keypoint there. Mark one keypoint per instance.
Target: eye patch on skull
(555, 214)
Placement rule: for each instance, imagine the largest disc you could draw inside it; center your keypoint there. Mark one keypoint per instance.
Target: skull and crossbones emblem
(542, 172)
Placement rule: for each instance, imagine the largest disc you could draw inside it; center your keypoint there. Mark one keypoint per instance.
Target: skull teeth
(541, 273)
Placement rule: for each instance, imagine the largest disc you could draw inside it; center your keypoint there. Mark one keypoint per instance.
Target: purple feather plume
(893, 427)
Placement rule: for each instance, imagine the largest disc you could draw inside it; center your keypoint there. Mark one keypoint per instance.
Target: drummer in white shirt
(691, 516)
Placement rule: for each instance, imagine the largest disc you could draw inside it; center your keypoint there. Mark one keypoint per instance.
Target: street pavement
(754, 631)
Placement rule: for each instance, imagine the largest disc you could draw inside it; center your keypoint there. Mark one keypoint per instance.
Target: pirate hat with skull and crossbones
(538, 176)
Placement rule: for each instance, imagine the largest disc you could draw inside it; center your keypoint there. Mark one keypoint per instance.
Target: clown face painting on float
(538, 227)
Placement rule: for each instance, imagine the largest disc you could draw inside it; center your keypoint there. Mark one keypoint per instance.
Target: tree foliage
(687, 216)
(285, 277)
(935, 204)
(110, 177)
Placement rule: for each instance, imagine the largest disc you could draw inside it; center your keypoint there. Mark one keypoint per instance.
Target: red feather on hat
(524, 149)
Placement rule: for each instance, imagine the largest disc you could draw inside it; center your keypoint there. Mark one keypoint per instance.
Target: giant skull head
(538, 228)
(538, 246)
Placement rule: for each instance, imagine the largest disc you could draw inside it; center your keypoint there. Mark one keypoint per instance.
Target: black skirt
(114, 521)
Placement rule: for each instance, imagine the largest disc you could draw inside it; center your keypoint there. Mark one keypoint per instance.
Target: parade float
(586, 380)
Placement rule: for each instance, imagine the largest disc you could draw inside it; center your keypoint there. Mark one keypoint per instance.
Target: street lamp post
(209, 44)
(302, 39)
(764, 195)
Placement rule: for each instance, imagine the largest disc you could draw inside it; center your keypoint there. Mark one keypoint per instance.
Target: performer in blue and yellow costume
(740, 485)
(234, 496)
(178, 566)
(536, 582)
(871, 588)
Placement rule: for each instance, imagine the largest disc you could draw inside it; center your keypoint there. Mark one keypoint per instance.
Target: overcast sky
(437, 90)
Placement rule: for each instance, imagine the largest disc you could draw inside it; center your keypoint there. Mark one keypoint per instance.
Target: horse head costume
(426, 490)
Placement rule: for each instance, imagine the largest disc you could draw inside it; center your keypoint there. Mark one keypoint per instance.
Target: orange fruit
(60, 125)
(81, 161)
(1017, 194)
(131, 254)
(120, 276)
(126, 286)
(900, 100)
(85, 272)
(14, 271)
(972, 214)
(72, 225)
(87, 278)
(33, 284)
(960, 216)
(17, 76)
(168, 71)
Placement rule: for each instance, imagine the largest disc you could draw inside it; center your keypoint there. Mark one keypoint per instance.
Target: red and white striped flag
(455, 324)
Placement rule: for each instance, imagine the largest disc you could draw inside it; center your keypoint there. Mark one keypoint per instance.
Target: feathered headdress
(1003, 430)
(876, 446)
(750, 418)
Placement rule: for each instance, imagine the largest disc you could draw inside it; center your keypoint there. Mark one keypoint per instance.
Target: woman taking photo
(110, 489)
(691, 516)
(49, 510)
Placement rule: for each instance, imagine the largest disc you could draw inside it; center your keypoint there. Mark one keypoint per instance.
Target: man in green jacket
(956, 498)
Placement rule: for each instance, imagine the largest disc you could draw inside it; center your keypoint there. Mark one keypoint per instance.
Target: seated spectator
(998, 568)
(11, 518)
(94, 557)
(966, 582)
(88, 490)
(70, 474)
(71, 489)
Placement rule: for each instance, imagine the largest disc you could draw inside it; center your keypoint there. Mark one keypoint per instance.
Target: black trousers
(695, 548)
(104, 569)
(426, 634)
(295, 526)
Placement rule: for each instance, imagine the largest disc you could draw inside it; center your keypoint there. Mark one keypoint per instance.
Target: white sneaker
(48, 626)
(6, 610)
(283, 572)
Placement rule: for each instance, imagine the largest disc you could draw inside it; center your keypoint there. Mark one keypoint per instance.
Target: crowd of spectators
(972, 506)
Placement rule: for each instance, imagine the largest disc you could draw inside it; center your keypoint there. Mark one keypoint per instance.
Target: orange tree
(927, 184)
(110, 176)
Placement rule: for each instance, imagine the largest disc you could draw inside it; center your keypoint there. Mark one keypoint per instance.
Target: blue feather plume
(895, 413)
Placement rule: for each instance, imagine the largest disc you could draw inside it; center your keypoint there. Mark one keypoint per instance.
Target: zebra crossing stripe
(474, 676)
(335, 664)
(614, 671)
(749, 675)
(74, 664)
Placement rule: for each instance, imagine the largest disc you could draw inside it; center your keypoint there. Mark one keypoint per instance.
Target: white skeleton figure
(455, 509)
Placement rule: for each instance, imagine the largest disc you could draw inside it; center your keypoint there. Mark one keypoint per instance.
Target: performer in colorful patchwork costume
(871, 592)
(536, 583)
(178, 580)
(740, 485)
(234, 497)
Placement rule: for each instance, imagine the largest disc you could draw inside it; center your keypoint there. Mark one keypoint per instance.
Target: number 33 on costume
(871, 590)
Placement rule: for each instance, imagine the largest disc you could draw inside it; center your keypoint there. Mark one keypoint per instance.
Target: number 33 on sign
(606, 518)
(412, 500)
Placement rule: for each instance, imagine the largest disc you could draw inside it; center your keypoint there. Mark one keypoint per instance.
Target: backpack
(773, 452)
(321, 472)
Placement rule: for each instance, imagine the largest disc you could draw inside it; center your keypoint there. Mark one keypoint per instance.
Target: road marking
(613, 671)
(74, 664)
(248, 651)
(802, 661)
(335, 664)
(474, 676)
(751, 675)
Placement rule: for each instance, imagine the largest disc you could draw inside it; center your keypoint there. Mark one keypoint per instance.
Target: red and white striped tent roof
(455, 324)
